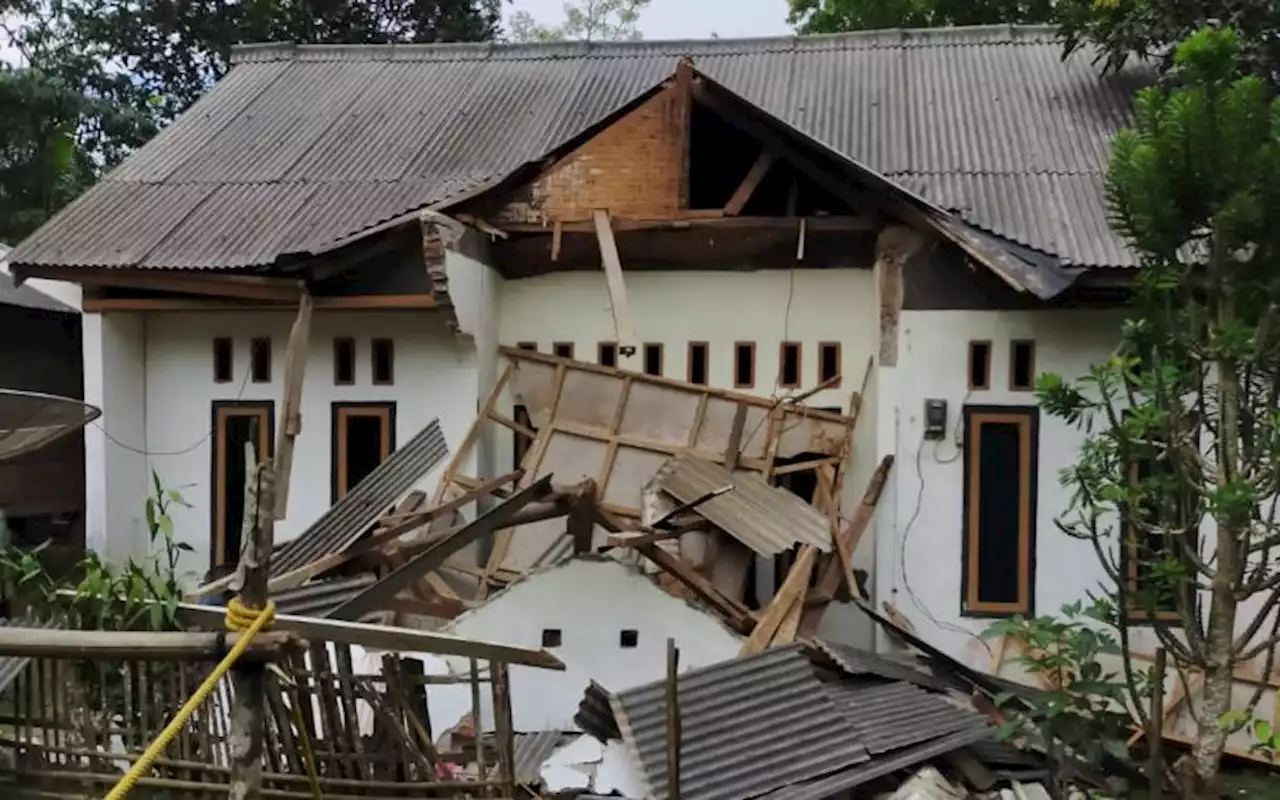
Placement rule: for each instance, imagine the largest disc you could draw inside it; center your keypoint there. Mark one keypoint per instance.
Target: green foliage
(1266, 736)
(1083, 715)
(834, 16)
(137, 596)
(1151, 29)
(587, 20)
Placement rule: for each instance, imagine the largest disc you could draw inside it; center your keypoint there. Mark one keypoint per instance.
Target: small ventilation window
(829, 364)
(260, 360)
(384, 359)
(607, 354)
(1022, 366)
(698, 352)
(789, 365)
(563, 349)
(344, 361)
(628, 639)
(979, 365)
(744, 365)
(653, 359)
(222, 366)
(530, 346)
(551, 637)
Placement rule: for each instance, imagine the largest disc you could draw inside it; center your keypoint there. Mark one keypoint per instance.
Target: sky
(687, 19)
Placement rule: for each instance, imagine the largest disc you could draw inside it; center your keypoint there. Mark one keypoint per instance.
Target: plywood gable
(634, 168)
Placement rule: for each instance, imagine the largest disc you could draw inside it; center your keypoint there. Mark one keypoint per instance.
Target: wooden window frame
(706, 362)
(340, 411)
(986, 374)
(229, 343)
(220, 411)
(338, 343)
(255, 343)
(556, 347)
(390, 345)
(782, 365)
(1013, 361)
(738, 384)
(1028, 420)
(1136, 614)
(644, 359)
(601, 347)
(839, 376)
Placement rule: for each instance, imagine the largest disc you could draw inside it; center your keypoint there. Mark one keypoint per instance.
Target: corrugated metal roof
(748, 726)
(318, 598)
(345, 522)
(529, 750)
(856, 662)
(892, 715)
(765, 518)
(312, 144)
(595, 715)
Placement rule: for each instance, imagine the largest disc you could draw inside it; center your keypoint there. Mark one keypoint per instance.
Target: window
(699, 353)
(979, 365)
(551, 637)
(521, 445)
(744, 365)
(1156, 567)
(222, 360)
(1022, 365)
(344, 361)
(363, 437)
(999, 510)
(789, 365)
(628, 639)
(235, 424)
(563, 349)
(530, 346)
(260, 360)
(383, 362)
(653, 359)
(829, 365)
(607, 354)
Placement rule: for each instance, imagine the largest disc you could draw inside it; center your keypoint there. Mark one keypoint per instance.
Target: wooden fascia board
(244, 287)
(354, 303)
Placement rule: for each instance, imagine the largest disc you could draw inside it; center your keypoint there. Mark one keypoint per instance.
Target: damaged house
(685, 278)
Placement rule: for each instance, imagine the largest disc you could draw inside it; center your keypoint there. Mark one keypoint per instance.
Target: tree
(588, 21)
(834, 16)
(1189, 541)
(1150, 28)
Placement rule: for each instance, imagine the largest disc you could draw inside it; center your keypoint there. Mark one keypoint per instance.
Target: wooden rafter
(749, 183)
(624, 328)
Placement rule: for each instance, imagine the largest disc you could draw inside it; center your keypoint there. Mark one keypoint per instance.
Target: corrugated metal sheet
(346, 521)
(892, 715)
(529, 751)
(765, 518)
(595, 714)
(855, 662)
(844, 780)
(318, 598)
(989, 122)
(748, 725)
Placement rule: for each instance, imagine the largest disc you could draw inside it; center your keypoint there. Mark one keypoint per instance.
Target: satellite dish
(31, 420)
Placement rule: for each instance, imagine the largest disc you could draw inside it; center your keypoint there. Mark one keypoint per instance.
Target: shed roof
(298, 148)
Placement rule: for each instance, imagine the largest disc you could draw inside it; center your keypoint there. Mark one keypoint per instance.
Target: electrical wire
(194, 446)
(786, 336)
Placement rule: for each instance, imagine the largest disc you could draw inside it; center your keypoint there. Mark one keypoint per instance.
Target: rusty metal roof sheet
(749, 725)
(895, 714)
(765, 518)
(299, 147)
(353, 515)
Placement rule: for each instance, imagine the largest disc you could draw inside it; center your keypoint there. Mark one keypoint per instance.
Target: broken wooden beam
(790, 594)
(824, 591)
(295, 367)
(624, 328)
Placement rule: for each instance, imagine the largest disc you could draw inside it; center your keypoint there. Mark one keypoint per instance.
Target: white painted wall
(591, 601)
(923, 532)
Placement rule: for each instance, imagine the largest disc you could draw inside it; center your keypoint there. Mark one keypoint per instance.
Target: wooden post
(673, 721)
(248, 679)
(501, 685)
(477, 714)
(1155, 734)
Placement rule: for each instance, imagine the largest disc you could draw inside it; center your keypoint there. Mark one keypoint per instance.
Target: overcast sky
(687, 19)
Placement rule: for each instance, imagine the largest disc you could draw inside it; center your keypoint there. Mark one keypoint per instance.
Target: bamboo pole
(112, 645)
(673, 721)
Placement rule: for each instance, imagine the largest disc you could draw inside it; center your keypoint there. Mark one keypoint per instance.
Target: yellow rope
(313, 775)
(240, 619)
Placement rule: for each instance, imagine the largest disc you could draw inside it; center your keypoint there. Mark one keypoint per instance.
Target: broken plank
(790, 593)
(749, 183)
(847, 541)
(624, 330)
(295, 367)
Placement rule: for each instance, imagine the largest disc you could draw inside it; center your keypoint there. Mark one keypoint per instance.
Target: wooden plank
(246, 287)
(624, 329)
(733, 451)
(295, 367)
(847, 541)
(749, 183)
(833, 223)
(97, 305)
(737, 617)
(790, 593)
(473, 433)
(119, 645)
